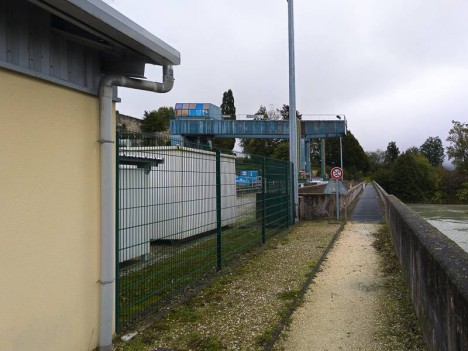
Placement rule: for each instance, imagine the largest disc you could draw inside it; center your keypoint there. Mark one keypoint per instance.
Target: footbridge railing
(436, 270)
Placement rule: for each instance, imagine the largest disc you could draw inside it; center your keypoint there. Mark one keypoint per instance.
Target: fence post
(218, 211)
(290, 194)
(117, 236)
(263, 201)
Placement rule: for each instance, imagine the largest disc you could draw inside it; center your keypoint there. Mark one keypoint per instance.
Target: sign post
(337, 174)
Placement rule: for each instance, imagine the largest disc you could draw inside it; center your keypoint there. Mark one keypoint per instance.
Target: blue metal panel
(323, 129)
(255, 129)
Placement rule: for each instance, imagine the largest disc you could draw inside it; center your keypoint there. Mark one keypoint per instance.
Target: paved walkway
(341, 307)
(367, 208)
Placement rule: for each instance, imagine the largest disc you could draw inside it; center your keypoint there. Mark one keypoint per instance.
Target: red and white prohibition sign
(336, 173)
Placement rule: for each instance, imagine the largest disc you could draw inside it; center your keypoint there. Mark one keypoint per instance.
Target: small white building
(169, 193)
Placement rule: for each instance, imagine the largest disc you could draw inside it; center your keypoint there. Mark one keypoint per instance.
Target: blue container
(243, 181)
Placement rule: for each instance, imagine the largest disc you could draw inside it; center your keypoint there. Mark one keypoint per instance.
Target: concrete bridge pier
(322, 159)
(308, 168)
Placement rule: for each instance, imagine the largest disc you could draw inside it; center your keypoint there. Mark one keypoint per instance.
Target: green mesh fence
(184, 213)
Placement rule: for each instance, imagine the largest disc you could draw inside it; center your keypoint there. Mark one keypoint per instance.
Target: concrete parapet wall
(318, 205)
(436, 270)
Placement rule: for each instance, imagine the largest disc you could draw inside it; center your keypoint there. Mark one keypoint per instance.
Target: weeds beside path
(243, 308)
(359, 299)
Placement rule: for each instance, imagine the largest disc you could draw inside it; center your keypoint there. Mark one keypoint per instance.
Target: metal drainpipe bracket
(105, 282)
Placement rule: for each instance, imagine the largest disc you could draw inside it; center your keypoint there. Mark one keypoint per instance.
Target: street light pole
(292, 105)
(341, 154)
(341, 144)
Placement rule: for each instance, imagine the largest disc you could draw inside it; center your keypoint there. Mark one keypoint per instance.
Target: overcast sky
(397, 69)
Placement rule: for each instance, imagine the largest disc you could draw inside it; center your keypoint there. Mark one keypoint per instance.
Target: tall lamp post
(292, 105)
(341, 144)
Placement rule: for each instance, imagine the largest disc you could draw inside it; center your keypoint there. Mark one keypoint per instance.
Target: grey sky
(397, 69)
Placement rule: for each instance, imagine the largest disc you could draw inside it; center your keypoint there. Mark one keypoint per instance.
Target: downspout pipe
(107, 206)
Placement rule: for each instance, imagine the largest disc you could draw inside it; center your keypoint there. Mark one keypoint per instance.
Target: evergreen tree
(284, 112)
(228, 108)
(392, 152)
(433, 150)
(355, 161)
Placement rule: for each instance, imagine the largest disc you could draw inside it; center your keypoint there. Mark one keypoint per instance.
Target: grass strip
(242, 309)
(399, 328)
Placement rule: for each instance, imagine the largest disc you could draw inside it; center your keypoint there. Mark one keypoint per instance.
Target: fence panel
(184, 212)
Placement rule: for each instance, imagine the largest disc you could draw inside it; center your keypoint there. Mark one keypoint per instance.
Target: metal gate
(186, 212)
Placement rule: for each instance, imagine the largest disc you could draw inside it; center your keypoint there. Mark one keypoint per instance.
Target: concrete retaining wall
(436, 270)
(318, 205)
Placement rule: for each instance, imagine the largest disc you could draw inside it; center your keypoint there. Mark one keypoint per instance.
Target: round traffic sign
(336, 173)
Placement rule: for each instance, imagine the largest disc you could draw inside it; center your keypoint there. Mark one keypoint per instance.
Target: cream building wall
(49, 216)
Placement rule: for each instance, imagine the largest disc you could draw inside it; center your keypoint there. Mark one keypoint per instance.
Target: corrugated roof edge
(104, 18)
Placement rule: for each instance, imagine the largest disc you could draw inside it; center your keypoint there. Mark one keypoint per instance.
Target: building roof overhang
(104, 21)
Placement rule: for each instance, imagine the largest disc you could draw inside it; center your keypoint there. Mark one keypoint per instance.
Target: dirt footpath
(340, 309)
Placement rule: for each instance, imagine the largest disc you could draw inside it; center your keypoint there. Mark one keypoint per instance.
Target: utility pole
(292, 105)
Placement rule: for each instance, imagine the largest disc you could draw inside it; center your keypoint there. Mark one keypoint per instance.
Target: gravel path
(341, 307)
(243, 307)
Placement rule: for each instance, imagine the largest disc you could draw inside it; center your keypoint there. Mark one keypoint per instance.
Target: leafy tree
(384, 177)
(452, 185)
(376, 159)
(413, 150)
(228, 108)
(458, 148)
(315, 156)
(157, 121)
(433, 150)
(414, 179)
(281, 151)
(462, 193)
(262, 147)
(273, 114)
(392, 152)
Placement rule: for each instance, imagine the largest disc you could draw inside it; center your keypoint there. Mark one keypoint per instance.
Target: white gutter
(107, 140)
